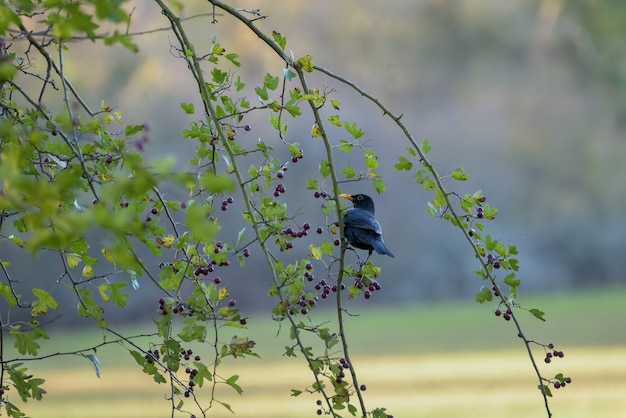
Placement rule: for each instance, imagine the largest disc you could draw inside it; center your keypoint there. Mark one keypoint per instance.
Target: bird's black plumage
(361, 228)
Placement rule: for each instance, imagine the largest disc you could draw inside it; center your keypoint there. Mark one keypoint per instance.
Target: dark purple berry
(246, 252)
(316, 194)
(154, 211)
(232, 302)
(363, 387)
(229, 199)
(319, 230)
(309, 266)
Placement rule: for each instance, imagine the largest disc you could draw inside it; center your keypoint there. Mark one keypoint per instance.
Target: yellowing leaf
(167, 241)
(316, 252)
(106, 255)
(73, 259)
(315, 131)
(334, 119)
(87, 271)
(306, 62)
(223, 293)
(104, 106)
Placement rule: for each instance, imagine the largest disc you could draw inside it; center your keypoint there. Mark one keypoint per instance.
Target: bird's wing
(359, 218)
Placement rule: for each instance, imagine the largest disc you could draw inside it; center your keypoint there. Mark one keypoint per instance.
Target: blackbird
(362, 230)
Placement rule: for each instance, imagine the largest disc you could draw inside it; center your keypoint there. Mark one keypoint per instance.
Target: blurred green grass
(581, 318)
(452, 359)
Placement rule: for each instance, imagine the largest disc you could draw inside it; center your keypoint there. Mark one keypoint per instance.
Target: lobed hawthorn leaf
(483, 295)
(353, 129)
(371, 159)
(459, 174)
(306, 62)
(404, 163)
(279, 39)
(334, 119)
(537, 313)
(349, 171)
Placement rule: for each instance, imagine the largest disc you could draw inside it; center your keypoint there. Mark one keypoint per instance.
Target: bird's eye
(359, 198)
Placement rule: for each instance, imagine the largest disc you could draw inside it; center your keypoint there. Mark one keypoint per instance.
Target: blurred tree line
(527, 95)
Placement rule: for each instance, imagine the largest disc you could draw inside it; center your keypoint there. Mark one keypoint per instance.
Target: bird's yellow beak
(346, 196)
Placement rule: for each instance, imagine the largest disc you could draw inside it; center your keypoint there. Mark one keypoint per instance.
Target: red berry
(217, 280)
(289, 245)
(109, 160)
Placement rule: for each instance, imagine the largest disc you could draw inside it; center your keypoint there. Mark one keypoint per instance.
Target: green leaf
(379, 185)
(279, 39)
(324, 168)
(295, 392)
(348, 170)
(546, 389)
(459, 174)
(231, 382)
(261, 93)
(511, 280)
(484, 295)
(537, 313)
(353, 129)
(270, 82)
(43, 302)
(404, 163)
(188, 108)
(216, 183)
(425, 146)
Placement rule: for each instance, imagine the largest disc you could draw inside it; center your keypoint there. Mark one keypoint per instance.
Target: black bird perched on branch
(362, 230)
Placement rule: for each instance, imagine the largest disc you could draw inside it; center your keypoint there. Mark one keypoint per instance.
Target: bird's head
(360, 201)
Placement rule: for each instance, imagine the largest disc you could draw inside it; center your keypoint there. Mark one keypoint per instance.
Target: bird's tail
(381, 248)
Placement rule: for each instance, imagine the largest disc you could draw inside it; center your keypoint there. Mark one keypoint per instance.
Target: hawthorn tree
(67, 168)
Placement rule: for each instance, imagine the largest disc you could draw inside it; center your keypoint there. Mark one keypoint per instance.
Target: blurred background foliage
(527, 96)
